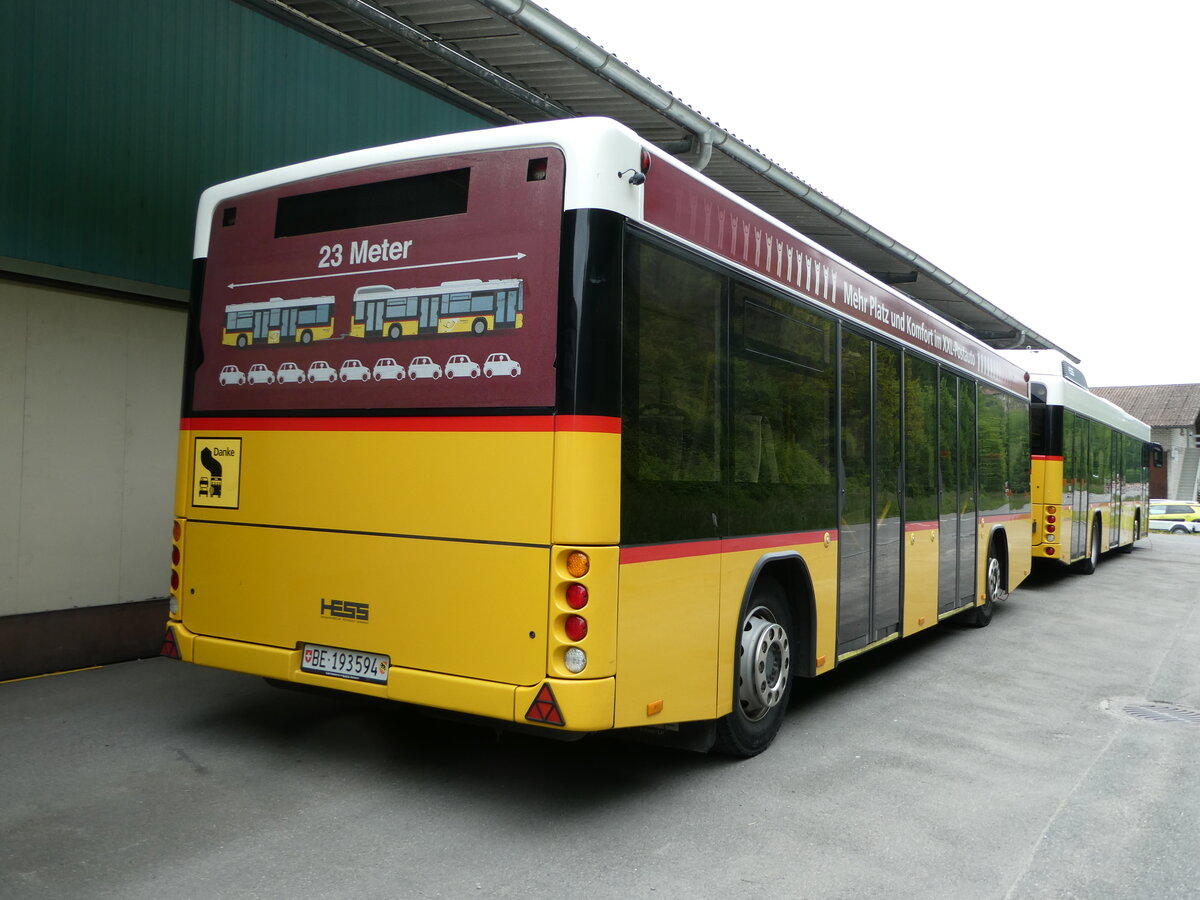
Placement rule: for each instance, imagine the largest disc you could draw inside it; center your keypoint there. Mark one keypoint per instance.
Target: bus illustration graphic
(278, 321)
(475, 307)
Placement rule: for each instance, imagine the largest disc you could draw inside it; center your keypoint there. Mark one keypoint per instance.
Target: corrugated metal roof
(516, 62)
(1158, 405)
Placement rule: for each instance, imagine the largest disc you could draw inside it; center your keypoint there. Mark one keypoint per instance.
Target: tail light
(576, 627)
(176, 567)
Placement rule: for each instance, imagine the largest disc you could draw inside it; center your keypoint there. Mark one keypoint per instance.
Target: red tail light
(577, 596)
(576, 627)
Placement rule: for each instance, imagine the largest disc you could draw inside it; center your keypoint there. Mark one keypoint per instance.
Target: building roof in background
(512, 61)
(1158, 405)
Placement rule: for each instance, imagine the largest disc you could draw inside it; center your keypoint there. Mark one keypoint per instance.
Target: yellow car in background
(1175, 516)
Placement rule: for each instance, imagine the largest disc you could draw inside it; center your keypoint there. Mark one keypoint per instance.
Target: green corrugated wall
(116, 114)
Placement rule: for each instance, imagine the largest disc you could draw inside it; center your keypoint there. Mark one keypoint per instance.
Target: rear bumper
(585, 704)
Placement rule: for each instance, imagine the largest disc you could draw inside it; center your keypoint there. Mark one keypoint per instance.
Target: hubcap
(765, 664)
(995, 590)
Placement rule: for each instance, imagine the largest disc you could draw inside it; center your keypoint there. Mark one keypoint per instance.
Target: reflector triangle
(544, 708)
(170, 648)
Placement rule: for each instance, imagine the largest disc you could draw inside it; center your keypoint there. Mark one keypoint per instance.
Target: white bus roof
(1045, 367)
(278, 303)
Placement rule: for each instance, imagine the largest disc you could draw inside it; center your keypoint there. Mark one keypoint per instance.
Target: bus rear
(372, 508)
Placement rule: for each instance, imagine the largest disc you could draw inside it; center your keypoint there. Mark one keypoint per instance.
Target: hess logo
(343, 609)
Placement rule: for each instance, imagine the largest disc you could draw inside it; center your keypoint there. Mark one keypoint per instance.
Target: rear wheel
(763, 673)
(981, 616)
(1088, 566)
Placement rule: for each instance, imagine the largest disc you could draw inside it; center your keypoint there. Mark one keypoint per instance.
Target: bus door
(428, 318)
(262, 325)
(288, 327)
(1116, 477)
(1077, 476)
(956, 492)
(870, 532)
(506, 309)
(373, 318)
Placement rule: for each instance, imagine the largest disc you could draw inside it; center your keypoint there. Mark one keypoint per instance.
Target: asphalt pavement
(1053, 754)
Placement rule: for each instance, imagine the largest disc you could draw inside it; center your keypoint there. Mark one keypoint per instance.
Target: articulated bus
(453, 307)
(1090, 467)
(727, 458)
(277, 321)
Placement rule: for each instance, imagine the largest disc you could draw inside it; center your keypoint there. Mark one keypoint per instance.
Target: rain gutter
(591, 56)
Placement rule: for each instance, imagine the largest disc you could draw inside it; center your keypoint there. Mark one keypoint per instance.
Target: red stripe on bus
(1047, 458)
(659, 552)
(594, 424)
(920, 526)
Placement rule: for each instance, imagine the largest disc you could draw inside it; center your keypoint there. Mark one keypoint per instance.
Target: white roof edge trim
(583, 138)
(1068, 395)
(662, 156)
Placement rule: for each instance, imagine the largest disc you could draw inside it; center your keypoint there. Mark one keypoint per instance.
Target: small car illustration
(388, 368)
(231, 375)
(501, 364)
(290, 373)
(321, 371)
(461, 367)
(260, 374)
(354, 370)
(424, 367)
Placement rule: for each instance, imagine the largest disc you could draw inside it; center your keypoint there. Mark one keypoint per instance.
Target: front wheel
(763, 674)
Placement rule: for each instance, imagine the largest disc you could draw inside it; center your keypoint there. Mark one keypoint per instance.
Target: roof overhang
(511, 61)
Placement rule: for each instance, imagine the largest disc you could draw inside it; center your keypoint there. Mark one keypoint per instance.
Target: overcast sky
(1042, 152)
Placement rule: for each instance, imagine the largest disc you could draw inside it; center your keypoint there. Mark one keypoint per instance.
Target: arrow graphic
(452, 262)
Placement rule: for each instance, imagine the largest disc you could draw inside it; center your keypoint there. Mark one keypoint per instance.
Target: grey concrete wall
(89, 420)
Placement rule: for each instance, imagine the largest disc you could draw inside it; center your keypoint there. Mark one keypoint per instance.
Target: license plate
(353, 664)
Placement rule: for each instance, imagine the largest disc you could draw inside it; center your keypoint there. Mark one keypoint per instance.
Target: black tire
(981, 616)
(479, 326)
(1179, 529)
(762, 673)
(241, 340)
(306, 337)
(1088, 566)
(394, 332)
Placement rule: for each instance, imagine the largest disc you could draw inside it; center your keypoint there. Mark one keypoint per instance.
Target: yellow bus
(1090, 466)
(450, 308)
(301, 320)
(720, 458)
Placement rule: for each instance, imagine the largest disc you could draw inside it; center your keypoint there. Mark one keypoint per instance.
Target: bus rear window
(377, 203)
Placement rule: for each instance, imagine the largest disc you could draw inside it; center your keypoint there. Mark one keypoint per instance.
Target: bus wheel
(763, 674)
(306, 337)
(241, 341)
(1088, 566)
(981, 616)
(394, 332)
(479, 326)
